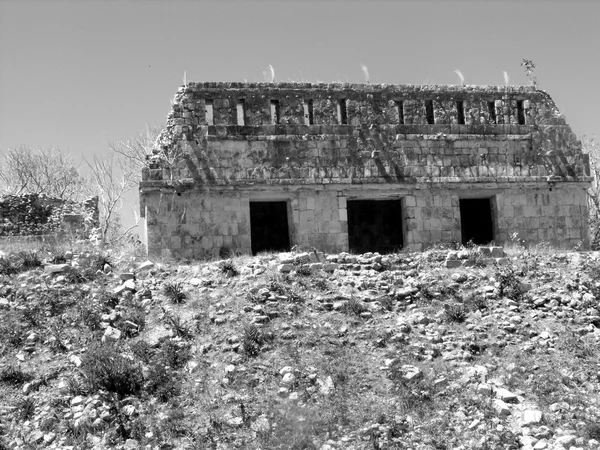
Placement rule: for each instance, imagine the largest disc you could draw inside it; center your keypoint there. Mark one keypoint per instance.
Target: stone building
(353, 167)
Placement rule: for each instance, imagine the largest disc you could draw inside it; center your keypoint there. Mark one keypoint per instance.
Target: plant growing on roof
(530, 71)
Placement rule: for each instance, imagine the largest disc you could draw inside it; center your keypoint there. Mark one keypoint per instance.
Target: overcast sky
(80, 74)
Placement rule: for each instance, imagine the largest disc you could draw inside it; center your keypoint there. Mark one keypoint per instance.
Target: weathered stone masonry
(321, 148)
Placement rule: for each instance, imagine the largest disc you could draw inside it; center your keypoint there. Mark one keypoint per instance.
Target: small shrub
(132, 320)
(76, 386)
(97, 261)
(476, 302)
(174, 354)
(162, 383)
(387, 303)
(592, 431)
(178, 326)
(76, 276)
(12, 331)
(304, 271)
(320, 283)
(252, 339)
(90, 316)
(29, 260)
(456, 313)
(14, 375)
(354, 306)
(108, 299)
(509, 284)
(105, 368)
(174, 291)
(142, 351)
(228, 269)
(25, 408)
(58, 258)
(8, 267)
(415, 395)
(278, 287)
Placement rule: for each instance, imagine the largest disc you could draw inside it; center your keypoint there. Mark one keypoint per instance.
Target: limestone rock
(57, 268)
(111, 333)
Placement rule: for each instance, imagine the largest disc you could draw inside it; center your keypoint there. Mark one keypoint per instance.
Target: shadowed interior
(269, 226)
(374, 226)
(476, 221)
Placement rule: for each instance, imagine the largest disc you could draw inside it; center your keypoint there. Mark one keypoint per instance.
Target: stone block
(284, 268)
(453, 263)
(409, 201)
(57, 268)
(497, 252)
(485, 251)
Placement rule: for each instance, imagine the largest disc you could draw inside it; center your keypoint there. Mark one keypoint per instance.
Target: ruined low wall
(33, 215)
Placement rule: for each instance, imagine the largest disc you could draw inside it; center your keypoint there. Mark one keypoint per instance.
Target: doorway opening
(269, 227)
(374, 226)
(476, 221)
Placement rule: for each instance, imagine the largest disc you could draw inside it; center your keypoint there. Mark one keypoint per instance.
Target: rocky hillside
(469, 349)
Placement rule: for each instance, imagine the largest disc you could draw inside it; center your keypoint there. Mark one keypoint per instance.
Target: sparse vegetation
(367, 359)
(174, 291)
(105, 368)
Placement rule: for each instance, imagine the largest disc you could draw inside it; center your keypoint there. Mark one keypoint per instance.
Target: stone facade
(324, 148)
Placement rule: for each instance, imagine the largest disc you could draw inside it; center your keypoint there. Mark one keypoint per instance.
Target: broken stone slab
(506, 396)
(76, 360)
(484, 388)
(31, 386)
(410, 372)
(111, 333)
(406, 292)
(501, 408)
(566, 440)
(128, 285)
(485, 251)
(453, 263)
(497, 252)
(145, 266)
(284, 268)
(57, 268)
(531, 416)
(126, 276)
(330, 267)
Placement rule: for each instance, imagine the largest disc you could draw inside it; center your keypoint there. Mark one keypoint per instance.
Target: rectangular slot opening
(308, 113)
(520, 112)
(374, 226)
(492, 112)
(269, 227)
(400, 112)
(476, 221)
(241, 112)
(429, 111)
(275, 111)
(460, 107)
(342, 112)
(208, 112)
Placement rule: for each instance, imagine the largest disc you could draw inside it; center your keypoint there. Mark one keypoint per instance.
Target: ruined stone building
(353, 167)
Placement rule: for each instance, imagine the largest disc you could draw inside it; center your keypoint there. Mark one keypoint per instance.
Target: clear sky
(80, 74)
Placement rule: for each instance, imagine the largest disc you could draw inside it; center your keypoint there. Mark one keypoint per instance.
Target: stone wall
(428, 146)
(32, 215)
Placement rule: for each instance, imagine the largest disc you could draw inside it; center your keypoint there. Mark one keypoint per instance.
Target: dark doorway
(374, 226)
(269, 227)
(476, 221)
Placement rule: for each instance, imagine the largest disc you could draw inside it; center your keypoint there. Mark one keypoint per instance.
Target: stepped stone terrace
(250, 167)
